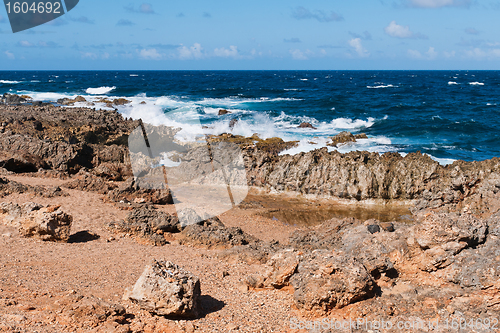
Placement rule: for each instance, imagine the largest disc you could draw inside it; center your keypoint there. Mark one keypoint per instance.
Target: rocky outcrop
(148, 225)
(345, 137)
(12, 99)
(306, 125)
(33, 220)
(130, 191)
(212, 233)
(166, 289)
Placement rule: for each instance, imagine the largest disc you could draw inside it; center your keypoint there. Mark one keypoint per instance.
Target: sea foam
(100, 90)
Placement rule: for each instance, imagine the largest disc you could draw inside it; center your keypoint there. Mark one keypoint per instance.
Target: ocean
(449, 115)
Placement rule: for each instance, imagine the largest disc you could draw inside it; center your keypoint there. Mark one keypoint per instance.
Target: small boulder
(80, 99)
(166, 289)
(373, 228)
(223, 112)
(48, 224)
(306, 125)
(345, 137)
(121, 101)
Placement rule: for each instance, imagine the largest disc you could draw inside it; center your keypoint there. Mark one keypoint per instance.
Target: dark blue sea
(449, 115)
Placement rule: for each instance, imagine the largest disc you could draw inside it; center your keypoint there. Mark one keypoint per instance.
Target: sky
(260, 35)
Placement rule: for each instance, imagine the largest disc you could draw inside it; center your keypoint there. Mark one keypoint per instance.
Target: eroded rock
(166, 289)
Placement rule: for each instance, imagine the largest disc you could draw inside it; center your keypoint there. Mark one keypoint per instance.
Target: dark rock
(121, 101)
(212, 233)
(387, 226)
(345, 137)
(148, 224)
(373, 228)
(13, 99)
(233, 123)
(306, 125)
(129, 191)
(223, 112)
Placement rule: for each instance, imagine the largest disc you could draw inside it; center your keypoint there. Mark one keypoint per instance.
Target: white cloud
(193, 52)
(10, 55)
(449, 54)
(428, 55)
(150, 54)
(431, 54)
(25, 43)
(232, 52)
(89, 55)
(480, 54)
(399, 31)
(301, 13)
(355, 43)
(438, 3)
(298, 54)
(414, 54)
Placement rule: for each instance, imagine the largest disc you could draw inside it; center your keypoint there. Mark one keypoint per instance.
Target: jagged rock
(129, 191)
(33, 220)
(325, 281)
(373, 228)
(233, 123)
(253, 253)
(438, 238)
(13, 99)
(345, 137)
(167, 290)
(121, 101)
(282, 266)
(351, 237)
(148, 224)
(88, 182)
(212, 233)
(223, 112)
(307, 125)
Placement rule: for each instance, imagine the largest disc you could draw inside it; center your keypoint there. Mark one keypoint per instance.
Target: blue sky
(272, 34)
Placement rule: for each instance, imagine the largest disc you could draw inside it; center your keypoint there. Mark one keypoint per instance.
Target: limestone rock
(307, 125)
(33, 220)
(166, 289)
(325, 281)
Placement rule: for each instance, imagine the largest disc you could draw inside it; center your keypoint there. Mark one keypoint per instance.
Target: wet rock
(121, 101)
(167, 290)
(307, 125)
(345, 137)
(324, 282)
(148, 224)
(212, 233)
(233, 123)
(223, 112)
(13, 99)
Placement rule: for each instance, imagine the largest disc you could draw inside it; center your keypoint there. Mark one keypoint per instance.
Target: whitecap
(100, 90)
(9, 82)
(452, 83)
(382, 86)
(134, 75)
(476, 83)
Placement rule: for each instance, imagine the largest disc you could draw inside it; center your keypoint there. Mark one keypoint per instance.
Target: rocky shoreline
(441, 264)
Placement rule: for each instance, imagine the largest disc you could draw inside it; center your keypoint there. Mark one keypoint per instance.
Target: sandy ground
(37, 277)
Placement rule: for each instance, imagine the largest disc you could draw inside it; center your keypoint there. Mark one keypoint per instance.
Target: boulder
(325, 281)
(306, 125)
(212, 233)
(223, 112)
(166, 289)
(121, 101)
(282, 266)
(345, 137)
(148, 224)
(33, 220)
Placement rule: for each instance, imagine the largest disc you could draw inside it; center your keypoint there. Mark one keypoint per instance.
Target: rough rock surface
(166, 289)
(325, 281)
(148, 224)
(212, 233)
(345, 137)
(33, 220)
(129, 191)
